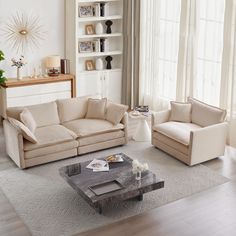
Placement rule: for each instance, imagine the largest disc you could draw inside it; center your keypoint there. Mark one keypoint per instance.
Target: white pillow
(27, 134)
(115, 112)
(96, 108)
(204, 114)
(28, 120)
(180, 112)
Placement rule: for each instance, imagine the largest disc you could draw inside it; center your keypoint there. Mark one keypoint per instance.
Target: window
(159, 47)
(209, 50)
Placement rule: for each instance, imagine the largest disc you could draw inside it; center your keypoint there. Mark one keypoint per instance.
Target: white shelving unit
(106, 82)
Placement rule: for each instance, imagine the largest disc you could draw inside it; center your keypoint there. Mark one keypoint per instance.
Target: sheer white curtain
(159, 42)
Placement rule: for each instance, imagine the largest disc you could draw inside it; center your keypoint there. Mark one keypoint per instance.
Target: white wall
(51, 13)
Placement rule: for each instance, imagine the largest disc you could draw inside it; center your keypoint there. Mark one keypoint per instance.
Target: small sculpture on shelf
(108, 24)
(108, 59)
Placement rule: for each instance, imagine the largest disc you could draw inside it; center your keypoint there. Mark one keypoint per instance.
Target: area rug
(49, 206)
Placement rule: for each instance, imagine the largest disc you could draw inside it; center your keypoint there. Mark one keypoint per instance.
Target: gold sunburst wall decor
(24, 32)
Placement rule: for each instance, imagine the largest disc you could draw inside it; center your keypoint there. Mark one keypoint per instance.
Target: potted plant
(2, 78)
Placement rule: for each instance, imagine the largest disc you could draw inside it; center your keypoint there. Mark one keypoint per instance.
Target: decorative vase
(99, 28)
(138, 175)
(99, 64)
(19, 76)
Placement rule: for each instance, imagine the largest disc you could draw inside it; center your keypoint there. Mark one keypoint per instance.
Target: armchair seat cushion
(177, 131)
(50, 135)
(88, 127)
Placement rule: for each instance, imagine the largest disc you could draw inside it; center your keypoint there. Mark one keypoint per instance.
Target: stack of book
(101, 9)
(98, 165)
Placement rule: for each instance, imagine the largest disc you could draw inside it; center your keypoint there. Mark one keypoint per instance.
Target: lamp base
(53, 72)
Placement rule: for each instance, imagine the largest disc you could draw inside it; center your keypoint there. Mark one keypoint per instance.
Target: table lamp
(53, 65)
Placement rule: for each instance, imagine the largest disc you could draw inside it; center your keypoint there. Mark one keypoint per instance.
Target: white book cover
(96, 164)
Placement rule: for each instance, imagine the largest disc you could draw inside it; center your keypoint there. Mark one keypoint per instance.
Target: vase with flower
(138, 168)
(18, 64)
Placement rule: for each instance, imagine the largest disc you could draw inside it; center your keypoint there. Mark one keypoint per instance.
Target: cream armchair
(195, 135)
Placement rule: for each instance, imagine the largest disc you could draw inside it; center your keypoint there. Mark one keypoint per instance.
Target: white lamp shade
(53, 61)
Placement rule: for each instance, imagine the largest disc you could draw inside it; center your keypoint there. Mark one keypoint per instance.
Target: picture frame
(89, 65)
(86, 11)
(89, 29)
(86, 46)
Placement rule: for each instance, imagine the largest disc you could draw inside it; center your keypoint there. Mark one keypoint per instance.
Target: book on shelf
(97, 9)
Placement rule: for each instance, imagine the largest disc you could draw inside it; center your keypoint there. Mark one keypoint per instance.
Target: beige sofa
(193, 132)
(62, 130)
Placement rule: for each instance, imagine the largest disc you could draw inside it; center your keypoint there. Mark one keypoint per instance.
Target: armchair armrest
(124, 121)
(160, 117)
(208, 142)
(14, 143)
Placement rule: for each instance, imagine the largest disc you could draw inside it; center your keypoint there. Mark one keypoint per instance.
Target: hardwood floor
(208, 213)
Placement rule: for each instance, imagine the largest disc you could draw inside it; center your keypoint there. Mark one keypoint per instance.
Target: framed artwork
(86, 11)
(86, 46)
(89, 29)
(89, 65)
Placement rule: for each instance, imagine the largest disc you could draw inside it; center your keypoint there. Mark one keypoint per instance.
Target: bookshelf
(83, 46)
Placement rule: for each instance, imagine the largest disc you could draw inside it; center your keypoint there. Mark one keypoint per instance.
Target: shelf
(94, 18)
(98, 71)
(99, 54)
(100, 36)
(89, 1)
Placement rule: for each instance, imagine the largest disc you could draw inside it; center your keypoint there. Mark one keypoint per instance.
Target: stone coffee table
(118, 184)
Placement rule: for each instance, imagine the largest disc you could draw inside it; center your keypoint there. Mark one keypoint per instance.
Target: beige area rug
(49, 206)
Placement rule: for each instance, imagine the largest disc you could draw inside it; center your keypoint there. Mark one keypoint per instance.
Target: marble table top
(81, 179)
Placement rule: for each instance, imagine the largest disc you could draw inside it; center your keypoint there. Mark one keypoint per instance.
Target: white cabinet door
(113, 86)
(89, 84)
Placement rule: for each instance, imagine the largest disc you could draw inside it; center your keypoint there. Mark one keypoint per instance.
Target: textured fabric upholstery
(88, 127)
(72, 108)
(83, 141)
(96, 108)
(46, 150)
(180, 112)
(28, 120)
(115, 112)
(44, 114)
(178, 131)
(204, 114)
(27, 134)
(50, 135)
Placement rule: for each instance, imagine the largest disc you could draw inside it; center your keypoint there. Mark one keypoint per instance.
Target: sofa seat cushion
(160, 138)
(98, 138)
(88, 127)
(178, 131)
(56, 148)
(50, 135)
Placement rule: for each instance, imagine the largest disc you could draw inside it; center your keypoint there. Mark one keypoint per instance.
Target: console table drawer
(38, 89)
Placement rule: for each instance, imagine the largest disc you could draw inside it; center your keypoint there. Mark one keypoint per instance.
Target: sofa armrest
(14, 143)
(208, 142)
(124, 121)
(160, 117)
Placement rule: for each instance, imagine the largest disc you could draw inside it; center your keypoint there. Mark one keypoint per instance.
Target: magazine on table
(98, 165)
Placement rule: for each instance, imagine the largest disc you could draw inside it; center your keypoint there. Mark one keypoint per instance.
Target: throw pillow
(204, 114)
(96, 108)
(28, 120)
(27, 134)
(180, 112)
(115, 112)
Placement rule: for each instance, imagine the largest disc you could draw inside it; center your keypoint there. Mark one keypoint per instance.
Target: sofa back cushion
(204, 114)
(96, 108)
(27, 134)
(181, 112)
(115, 112)
(28, 120)
(72, 108)
(44, 114)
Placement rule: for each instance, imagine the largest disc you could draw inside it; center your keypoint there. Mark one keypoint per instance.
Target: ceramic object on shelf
(19, 76)
(99, 64)
(99, 28)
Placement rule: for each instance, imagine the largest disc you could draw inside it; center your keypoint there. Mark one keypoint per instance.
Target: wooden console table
(30, 91)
